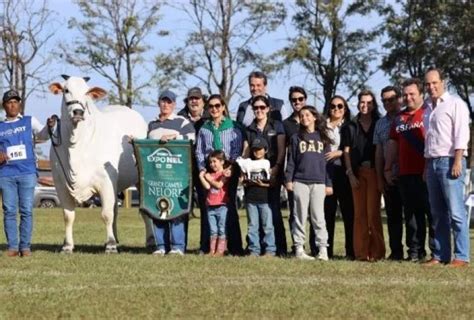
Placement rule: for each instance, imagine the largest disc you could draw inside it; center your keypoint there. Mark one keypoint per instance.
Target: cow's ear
(96, 93)
(56, 88)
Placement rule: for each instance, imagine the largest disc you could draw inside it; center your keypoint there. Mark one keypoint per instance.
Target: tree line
(114, 39)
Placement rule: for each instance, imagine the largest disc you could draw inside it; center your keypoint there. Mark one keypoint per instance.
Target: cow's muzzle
(77, 115)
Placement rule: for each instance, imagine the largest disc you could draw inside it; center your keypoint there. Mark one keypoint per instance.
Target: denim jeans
(217, 218)
(170, 235)
(18, 192)
(257, 212)
(417, 212)
(446, 195)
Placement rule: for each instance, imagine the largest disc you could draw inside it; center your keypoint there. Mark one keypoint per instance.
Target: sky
(45, 105)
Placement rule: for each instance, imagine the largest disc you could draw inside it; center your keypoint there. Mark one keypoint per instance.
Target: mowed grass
(133, 284)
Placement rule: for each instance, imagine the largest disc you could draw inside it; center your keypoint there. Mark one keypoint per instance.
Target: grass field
(133, 284)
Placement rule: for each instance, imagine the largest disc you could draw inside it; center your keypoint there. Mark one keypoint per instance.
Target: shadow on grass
(90, 249)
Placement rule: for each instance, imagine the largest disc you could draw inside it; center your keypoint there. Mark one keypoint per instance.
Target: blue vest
(16, 139)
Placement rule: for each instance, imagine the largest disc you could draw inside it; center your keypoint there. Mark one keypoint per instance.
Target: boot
(213, 246)
(221, 247)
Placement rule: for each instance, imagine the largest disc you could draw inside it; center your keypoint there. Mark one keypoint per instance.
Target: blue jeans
(170, 235)
(446, 195)
(217, 216)
(257, 212)
(18, 192)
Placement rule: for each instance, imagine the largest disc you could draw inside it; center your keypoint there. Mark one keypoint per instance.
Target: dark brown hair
(297, 89)
(258, 75)
(347, 112)
(221, 101)
(415, 81)
(375, 112)
(320, 125)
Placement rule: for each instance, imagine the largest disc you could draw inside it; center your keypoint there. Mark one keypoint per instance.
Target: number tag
(16, 152)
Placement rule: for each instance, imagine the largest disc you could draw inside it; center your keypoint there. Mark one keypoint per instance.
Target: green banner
(165, 177)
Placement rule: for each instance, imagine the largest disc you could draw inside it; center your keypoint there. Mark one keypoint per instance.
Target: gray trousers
(309, 196)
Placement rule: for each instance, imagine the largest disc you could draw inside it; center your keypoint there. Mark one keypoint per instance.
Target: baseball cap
(169, 95)
(195, 92)
(259, 144)
(11, 94)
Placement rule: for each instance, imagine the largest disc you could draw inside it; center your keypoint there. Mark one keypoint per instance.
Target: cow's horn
(86, 78)
(65, 76)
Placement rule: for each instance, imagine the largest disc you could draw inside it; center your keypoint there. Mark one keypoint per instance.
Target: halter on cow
(94, 156)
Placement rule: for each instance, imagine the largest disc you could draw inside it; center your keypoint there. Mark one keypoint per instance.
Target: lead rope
(56, 141)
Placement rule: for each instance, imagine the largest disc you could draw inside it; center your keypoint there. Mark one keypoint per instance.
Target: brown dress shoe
(12, 253)
(25, 253)
(431, 262)
(458, 264)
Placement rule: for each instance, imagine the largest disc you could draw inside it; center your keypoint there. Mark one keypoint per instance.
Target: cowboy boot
(221, 247)
(213, 246)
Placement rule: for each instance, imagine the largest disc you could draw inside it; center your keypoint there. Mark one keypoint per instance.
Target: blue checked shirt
(232, 144)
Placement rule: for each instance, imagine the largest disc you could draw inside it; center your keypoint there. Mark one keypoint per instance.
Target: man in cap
(194, 109)
(18, 172)
(169, 126)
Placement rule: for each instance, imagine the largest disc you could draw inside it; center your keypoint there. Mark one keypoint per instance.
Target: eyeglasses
(260, 107)
(389, 100)
(215, 106)
(339, 106)
(299, 99)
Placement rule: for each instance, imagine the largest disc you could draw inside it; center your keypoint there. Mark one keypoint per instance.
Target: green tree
(426, 34)
(222, 42)
(25, 30)
(112, 42)
(328, 49)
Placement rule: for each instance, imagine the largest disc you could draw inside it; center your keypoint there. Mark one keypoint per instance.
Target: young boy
(258, 209)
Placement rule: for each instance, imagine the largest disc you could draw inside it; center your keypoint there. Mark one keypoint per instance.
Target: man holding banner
(165, 171)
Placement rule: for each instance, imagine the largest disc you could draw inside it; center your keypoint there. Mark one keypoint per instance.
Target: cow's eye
(66, 91)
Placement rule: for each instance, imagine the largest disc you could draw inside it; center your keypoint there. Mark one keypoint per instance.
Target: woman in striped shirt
(222, 133)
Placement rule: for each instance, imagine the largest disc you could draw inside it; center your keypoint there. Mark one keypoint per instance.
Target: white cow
(94, 156)
(248, 166)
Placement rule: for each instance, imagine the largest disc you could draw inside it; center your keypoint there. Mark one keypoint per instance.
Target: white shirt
(448, 128)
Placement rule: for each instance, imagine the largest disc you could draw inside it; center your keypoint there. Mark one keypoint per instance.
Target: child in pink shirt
(215, 182)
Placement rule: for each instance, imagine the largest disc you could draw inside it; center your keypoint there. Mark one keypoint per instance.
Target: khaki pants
(368, 233)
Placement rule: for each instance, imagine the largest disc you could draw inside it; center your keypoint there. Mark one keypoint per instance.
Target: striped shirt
(172, 125)
(232, 143)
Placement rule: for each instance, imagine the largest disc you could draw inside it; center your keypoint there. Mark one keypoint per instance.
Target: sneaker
(176, 252)
(159, 252)
(323, 254)
(300, 254)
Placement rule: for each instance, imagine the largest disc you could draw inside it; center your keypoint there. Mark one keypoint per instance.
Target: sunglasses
(215, 106)
(389, 100)
(255, 108)
(299, 99)
(339, 106)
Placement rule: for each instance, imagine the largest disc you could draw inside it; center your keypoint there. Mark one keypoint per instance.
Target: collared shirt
(172, 125)
(448, 128)
(232, 143)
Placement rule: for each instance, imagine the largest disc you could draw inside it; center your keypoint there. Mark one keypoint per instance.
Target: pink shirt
(448, 128)
(217, 197)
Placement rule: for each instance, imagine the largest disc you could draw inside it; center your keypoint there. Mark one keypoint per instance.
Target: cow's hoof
(111, 249)
(66, 250)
